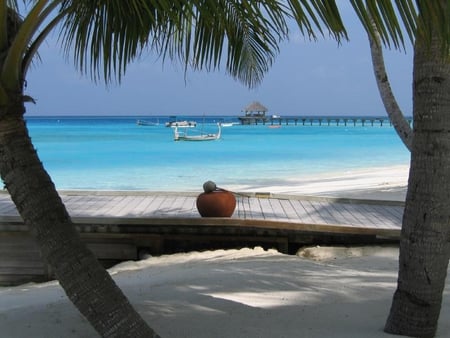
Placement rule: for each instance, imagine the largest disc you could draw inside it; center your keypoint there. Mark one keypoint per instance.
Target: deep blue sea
(114, 153)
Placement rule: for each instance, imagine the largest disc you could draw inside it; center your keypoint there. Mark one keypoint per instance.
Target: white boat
(227, 124)
(181, 134)
(147, 123)
(181, 124)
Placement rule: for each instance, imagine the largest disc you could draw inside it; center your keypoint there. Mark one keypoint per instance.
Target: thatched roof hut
(255, 107)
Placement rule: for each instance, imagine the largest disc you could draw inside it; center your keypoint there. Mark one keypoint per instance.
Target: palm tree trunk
(391, 106)
(425, 245)
(84, 280)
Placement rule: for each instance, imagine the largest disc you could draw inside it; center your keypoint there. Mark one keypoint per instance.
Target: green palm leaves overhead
(104, 36)
(200, 34)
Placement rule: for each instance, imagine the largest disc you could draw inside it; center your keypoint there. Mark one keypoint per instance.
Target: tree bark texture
(85, 281)
(425, 237)
(391, 106)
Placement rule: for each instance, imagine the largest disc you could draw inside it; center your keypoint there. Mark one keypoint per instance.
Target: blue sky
(307, 78)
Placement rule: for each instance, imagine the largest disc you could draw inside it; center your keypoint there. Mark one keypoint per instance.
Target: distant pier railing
(317, 120)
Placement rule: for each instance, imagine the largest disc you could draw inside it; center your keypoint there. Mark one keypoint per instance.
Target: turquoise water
(112, 153)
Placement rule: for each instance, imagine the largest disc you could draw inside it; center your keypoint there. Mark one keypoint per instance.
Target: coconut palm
(425, 247)
(103, 37)
(424, 244)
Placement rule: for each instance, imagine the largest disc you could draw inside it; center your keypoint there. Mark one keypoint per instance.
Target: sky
(307, 78)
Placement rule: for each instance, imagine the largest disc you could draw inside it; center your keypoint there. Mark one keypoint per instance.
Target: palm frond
(382, 15)
(418, 19)
(111, 33)
(21, 35)
(105, 35)
(317, 15)
(434, 18)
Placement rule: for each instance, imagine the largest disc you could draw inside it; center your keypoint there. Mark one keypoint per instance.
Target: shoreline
(378, 183)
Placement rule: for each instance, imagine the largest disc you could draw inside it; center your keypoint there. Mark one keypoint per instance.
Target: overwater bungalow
(254, 113)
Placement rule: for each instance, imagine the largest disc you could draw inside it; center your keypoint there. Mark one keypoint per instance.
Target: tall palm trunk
(425, 245)
(84, 280)
(391, 106)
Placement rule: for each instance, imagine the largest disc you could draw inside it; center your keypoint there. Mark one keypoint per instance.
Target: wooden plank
(5, 204)
(78, 205)
(153, 209)
(344, 216)
(398, 211)
(302, 212)
(378, 217)
(126, 208)
(185, 206)
(165, 207)
(118, 251)
(192, 204)
(266, 207)
(144, 205)
(139, 205)
(115, 206)
(246, 211)
(19, 271)
(244, 207)
(278, 209)
(256, 210)
(329, 214)
(337, 214)
(109, 205)
(360, 214)
(8, 208)
(179, 204)
(289, 210)
(390, 214)
(313, 211)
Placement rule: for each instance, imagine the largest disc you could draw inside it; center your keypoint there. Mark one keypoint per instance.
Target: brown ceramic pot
(217, 203)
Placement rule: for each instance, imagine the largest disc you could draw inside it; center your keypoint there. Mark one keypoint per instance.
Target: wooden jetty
(120, 226)
(316, 120)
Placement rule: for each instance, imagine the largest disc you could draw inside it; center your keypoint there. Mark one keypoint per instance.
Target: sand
(320, 292)
(384, 183)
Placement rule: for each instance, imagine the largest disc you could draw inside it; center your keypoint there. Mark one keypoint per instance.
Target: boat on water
(174, 124)
(183, 134)
(227, 124)
(147, 123)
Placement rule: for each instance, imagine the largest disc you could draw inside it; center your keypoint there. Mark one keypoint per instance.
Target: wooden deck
(359, 216)
(125, 225)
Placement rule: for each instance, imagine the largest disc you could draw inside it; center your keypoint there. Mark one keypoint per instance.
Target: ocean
(115, 153)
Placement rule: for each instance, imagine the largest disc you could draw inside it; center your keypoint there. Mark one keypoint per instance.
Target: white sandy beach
(248, 293)
(387, 183)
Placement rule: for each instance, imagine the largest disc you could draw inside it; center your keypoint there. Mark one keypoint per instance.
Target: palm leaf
(194, 32)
